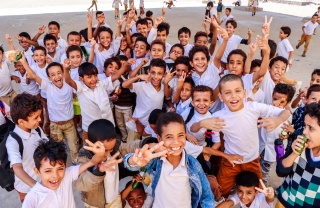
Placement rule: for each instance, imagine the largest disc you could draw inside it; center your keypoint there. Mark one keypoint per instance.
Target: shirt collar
(182, 161)
(23, 134)
(186, 103)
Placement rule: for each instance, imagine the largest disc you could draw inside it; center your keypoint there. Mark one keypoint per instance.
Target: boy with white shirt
(162, 34)
(184, 35)
(284, 48)
(243, 139)
(101, 20)
(55, 187)
(74, 39)
(308, 29)
(227, 16)
(59, 101)
(25, 113)
(51, 44)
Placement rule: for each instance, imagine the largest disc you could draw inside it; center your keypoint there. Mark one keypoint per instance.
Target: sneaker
(303, 55)
(297, 46)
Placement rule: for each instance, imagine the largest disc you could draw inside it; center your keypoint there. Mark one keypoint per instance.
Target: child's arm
(124, 67)
(252, 50)
(30, 73)
(134, 72)
(119, 24)
(215, 124)
(230, 158)
(66, 69)
(219, 54)
(167, 89)
(34, 40)
(205, 27)
(249, 35)
(269, 124)
(126, 191)
(89, 20)
(153, 32)
(176, 96)
(267, 191)
(92, 45)
(290, 58)
(22, 175)
(9, 41)
(214, 38)
(129, 82)
(263, 45)
(128, 34)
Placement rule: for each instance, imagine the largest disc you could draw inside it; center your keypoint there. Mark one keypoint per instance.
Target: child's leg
(76, 121)
(253, 166)
(70, 133)
(279, 205)
(95, 4)
(84, 136)
(21, 196)
(302, 40)
(46, 127)
(56, 131)
(308, 38)
(125, 7)
(265, 168)
(122, 116)
(9, 97)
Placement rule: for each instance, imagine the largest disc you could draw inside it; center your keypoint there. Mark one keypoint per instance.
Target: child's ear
(81, 79)
(191, 64)
(159, 138)
(36, 171)
(220, 97)
(192, 102)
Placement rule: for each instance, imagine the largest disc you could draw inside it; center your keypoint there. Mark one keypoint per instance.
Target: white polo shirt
(104, 25)
(192, 149)
(148, 99)
(258, 202)
(59, 101)
(173, 188)
(309, 27)
(284, 48)
(62, 44)
(225, 18)
(57, 55)
(232, 44)
(258, 96)
(32, 88)
(94, 103)
(168, 48)
(5, 75)
(74, 74)
(7, 110)
(41, 72)
(187, 49)
(43, 197)
(182, 106)
(30, 142)
(267, 85)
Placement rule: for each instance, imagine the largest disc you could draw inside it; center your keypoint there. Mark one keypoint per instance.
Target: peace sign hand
(97, 148)
(267, 191)
(109, 164)
(266, 26)
(169, 76)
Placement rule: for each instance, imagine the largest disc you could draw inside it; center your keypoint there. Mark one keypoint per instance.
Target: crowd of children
(150, 124)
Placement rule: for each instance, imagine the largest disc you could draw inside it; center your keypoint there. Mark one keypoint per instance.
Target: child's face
(157, 74)
(174, 138)
(232, 94)
(149, 24)
(230, 29)
(246, 194)
(177, 51)
(202, 41)
(315, 79)
(51, 46)
(123, 44)
(199, 62)
(140, 49)
(143, 29)
(111, 69)
(201, 101)
(186, 91)
(32, 121)
(51, 176)
(108, 146)
(314, 19)
(100, 17)
(136, 198)
(255, 69)
(53, 30)
(277, 70)
(162, 36)
(236, 64)
(56, 76)
(75, 58)
(40, 57)
(18, 65)
(227, 12)
(105, 39)
(181, 68)
(90, 80)
(74, 40)
(157, 51)
(312, 131)
(184, 38)
(279, 100)
(282, 35)
(24, 45)
(314, 97)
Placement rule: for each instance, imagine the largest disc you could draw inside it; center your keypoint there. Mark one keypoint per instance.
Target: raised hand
(66, 64)
(181, 79)
(269, 124)
(98, 149)
(215, 124)
(267, 191)
(8, 38)
(145, 77)
(249, 31)
(120, 21)
(263, 43)
(129, 26)
(42, 29)
(223, 33)
(169, 76)
(89, 16)
(163, 11)
(92, 42)
(253, 47)
(158, 20)
(132, 61)
(266, 26)
(109, 164)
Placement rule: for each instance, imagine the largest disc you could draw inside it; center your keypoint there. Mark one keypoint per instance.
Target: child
(256, 94)
(254, 5)
(141, 47)
(212, 12)
(220, 8)
(178, 188)
(94, 3)
(60, 108)
(51, 44)
(134, 197)
(162, 34)
(248, 195)
(115, 4)
(74, 38)
(176, 51)
(242, 140)
(55, 187)
(124, 47)
(184, 35)
(227, 16)
(25, 113)
(157, 50)
(284, 47)
(299, 162)
(308, 29)
(185, 95)
(100, 17)
(100, 184)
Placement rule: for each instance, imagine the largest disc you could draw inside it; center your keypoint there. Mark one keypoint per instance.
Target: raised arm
(89, 21)
(30, 73)
(249, 35)
(219, 54)
(129, 82)
(214, 38)
(167, 89)
(124, 67)
(92, 45)
(134, 72)
(9, 41)
(252, 49)
(176, 96)
(263, 45)
(34, 40)
(66, 69)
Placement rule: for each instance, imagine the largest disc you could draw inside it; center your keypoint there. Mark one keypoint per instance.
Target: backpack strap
(191, 113)
(19, 140)
(39, 131)
(3, 108)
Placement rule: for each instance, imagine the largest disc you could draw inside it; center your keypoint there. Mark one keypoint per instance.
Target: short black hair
(284, 89)
(315, 15)
(149, 19)
(184, 30)
(54, 23)
(182, 60)
(104, 29)
(49, 37)
(229, 78)
(202, 88)
(164, 26)
(286, 30)
(247, 179)
(101, 130)
(316, 71)
(158, 42)
(237, 52)
(143, 39)
(52, 65)
(139, 186)
(149, 13)
(154, 116)
(99, 12)
(73, 48)
(51, 150)
(158, 63)
(177, 45)
(110, 60)
(200, 34)
(313, 110)
(210, 3)
(255, 63)
(228, 8)
(123, 58)
(25, 34)
(167, 118)
(199, 48)
(148, 140)
(278, 58)
(74, 33)
(40, 48)
(233, 22)
(87, 69)
(190, 81)
(84, 33)
(142, 22)
(23, 106)
(273, 48)
(1, 49)
(136, 35)
(313, 88)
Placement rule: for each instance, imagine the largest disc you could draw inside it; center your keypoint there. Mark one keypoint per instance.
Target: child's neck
(24, 128)
(231, 34)
(103, 47)
(52, 54)
(42, 65)
(174, 160)
(316, 151)
(283, 38)
(183, 100)
(156, 87)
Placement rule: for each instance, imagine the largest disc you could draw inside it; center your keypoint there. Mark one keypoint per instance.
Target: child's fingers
(262, 184)
(143, 150)
(160, 154)
(89, 143)
(115, 155)
(258, 189)
(160, 144)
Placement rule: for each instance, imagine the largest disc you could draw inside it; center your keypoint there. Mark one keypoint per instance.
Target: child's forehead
(74, 53)
(139, 25)
(202, 94)
(236, 57)
(41, 52)
(184, 34)
(156, 69)
(278, 63)
(164, 32)
(47, 163)
(157, 45)
(54, 69)
(140, 43)
(105, 33)
(53, 26)
(245, 188)
(231, 84)
(316, 76)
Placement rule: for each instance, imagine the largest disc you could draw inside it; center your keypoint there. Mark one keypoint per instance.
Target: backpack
(6, 173)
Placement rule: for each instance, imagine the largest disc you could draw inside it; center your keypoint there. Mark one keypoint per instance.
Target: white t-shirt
(258, 202)
(225, 18)
(187, 48)
(59, 101)
(43, 197)
(94, 103)
(7, 110)
(148, 99)
(5, 75)
(32, 88)
(57, 56)
(241, 131)
(258, 96)
(267, 85)
(74, 74)
(182, 106)
(30, 142)
(309, 27)
(104, 25)
(284, 48)
(193, 150)
(62, 44)
(232, 44)
(213, 12)
(150, 131)
(41, 72)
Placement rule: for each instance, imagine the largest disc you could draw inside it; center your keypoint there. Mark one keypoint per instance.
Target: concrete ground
(70, 14)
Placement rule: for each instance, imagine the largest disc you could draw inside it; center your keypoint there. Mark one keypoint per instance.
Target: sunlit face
(111, 69)
(282, 35)
(180, 68)
(90, 80)
(230, 29)
(279, 100)
(54, 30)
(186, 91)
(149, 24)
(75, 58)
(40, 57)
(236, 64)
(140, 49)
(51, 46)
(162, 36)
(74, 40)
(105, 39)
(199, 62)
(202, 41)
(314, 97)
(136, 198)
(18, 65)
(143, 29)
(157, 73)
(184, 38)
(24, 45)
(314, 19)
(100, 17)
(246, 194)
(315, 79)
(123, 44)
(232, 94)
(312, 131)
(201, 101)
(56, 76)
(157, 51)
(32, 121)
(51, 175)
(277, 70)
(227, 12)
(177, 51)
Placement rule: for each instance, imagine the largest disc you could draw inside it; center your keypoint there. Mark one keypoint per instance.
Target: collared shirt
(57, 55)
(41, 72)
(309, 27)
(225, 18)
(187, 49)
(284, 48)
(5, 83)
(267, 85)
(258, 202)
(7, 110)
(32, 88)
(74, 74)
(183, 105)
(232, 44)
(173, 185)
(62, 44)
(104, 25)
(30, 142)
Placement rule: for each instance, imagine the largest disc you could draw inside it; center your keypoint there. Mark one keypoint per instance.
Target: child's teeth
(175, 148)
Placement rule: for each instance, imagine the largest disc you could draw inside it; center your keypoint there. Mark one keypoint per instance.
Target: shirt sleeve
(29, 201)
(288, 46)
(40, 42)
(79, 86)
(44, 85)
(116, 44)
(14, 155)
(137, 87)
(267, 110)
(152, 35)
(107, 84)
(72, 173)
(235, 199)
